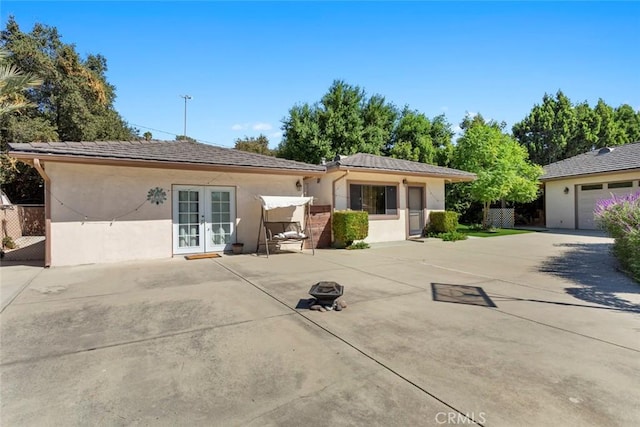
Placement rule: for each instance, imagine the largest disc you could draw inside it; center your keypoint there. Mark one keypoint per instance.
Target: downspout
(333, 189)
(47, 211)
(333, 197)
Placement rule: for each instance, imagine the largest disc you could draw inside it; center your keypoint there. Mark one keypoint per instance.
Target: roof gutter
(47, 210)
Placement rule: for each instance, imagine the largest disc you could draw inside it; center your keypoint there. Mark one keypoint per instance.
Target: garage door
(589, 194)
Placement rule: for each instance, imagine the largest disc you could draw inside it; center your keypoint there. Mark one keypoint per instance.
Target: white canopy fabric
(274, 202)
(4, 200)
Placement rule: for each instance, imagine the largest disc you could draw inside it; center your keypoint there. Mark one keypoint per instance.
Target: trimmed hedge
(442, 222)
(349, 226)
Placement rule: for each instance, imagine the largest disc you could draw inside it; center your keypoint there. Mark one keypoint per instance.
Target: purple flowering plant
(619, 216)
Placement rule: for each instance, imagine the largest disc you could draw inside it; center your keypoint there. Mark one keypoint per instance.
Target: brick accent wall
(320, 226)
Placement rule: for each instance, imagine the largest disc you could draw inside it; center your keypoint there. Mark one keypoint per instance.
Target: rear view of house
(117, 201)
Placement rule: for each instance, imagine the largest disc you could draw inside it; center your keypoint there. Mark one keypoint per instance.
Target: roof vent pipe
(605, 150)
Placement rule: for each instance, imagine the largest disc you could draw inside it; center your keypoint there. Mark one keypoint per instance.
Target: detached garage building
(574, 185)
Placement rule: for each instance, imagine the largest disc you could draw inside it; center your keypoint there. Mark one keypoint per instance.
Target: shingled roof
(163, 152)
(372, 162)
(604, 160)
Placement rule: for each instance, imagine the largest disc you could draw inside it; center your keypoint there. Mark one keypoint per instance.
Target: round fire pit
(326, 292)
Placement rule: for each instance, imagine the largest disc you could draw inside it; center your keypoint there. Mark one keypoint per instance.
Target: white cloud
(471, 114)
(262, 126)
(457, 129)
(275, 135)
(238, 127)
(445, 108)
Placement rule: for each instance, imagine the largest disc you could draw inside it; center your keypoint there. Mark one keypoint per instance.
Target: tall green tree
(629, 122)
(379, 119)
(547, 130)
(75, 98)
(302, 138)
(73, 103)
(501, 165)
(441, 136)
(343, 122)
(259, 145)
(558, 129)
(419, 139)
(412, 138)
(341, 118)
(609, 131)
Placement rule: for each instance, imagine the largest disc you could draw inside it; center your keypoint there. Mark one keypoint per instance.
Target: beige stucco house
(398, 194)
(574, 185)
(117, 201)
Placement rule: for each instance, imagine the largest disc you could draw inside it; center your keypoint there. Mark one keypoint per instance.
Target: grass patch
(498, 231)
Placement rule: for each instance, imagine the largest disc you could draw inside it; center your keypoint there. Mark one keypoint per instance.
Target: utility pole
(186, 97)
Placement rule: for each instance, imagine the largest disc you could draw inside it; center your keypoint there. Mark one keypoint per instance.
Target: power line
(175, 134)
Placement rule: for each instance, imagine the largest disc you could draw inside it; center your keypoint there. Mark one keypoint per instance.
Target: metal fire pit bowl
(326, 292)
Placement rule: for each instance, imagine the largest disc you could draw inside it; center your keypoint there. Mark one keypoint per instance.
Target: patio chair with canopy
(278, 232)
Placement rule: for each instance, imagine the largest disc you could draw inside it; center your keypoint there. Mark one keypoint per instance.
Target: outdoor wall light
(566, 190)
(298, 185)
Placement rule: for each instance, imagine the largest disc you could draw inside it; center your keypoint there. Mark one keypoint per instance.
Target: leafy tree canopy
(345, 121)
(419, 139)
(252, 144)
(501, 164)
(73, 103)
(185, 138)
(558, 129)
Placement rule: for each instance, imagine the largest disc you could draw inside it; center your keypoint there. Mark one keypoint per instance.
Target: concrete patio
(533, 329)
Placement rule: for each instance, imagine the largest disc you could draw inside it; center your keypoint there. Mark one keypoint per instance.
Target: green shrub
(358, 245)
(442, 222)
(7, 242)
(452, 236)
(349, 226)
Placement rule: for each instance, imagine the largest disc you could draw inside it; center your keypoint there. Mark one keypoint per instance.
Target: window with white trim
(375, 199)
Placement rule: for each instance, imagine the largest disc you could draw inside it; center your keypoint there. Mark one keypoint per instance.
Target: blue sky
(247, 63)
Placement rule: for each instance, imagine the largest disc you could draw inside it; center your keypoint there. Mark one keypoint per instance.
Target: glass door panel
(187, 220)
(220, 227)
(416, 212)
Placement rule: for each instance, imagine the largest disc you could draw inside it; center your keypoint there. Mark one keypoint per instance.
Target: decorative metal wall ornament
(157, 195)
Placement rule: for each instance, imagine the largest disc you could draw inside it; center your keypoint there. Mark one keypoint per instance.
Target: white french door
(204, 218)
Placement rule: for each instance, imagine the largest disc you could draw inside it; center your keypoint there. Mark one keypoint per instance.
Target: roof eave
(450, 177)
(618, 171)
(157, 164)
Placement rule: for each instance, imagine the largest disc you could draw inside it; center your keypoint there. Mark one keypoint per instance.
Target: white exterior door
(204, 218)
(416, 210)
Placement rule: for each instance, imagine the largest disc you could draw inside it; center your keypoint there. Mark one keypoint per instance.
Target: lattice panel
(502, 217)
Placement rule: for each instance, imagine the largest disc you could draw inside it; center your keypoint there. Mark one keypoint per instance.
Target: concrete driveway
(535, 329)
